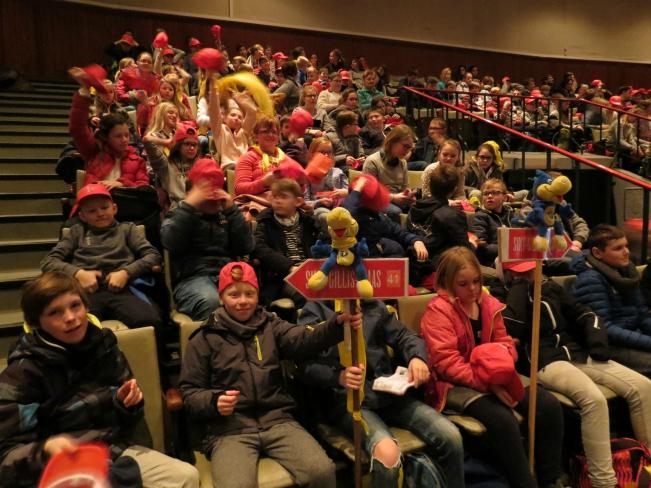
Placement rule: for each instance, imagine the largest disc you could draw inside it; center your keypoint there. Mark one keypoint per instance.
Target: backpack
(420, 471)
(630, 461)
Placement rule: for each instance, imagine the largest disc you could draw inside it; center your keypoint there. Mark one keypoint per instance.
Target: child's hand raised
(226, 402)
(117, 280)
(79, 75)
(88, 279)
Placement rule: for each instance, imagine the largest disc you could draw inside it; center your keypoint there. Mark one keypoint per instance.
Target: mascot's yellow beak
(556, 190)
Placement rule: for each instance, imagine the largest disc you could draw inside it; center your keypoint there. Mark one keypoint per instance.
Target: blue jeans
(417, 165)
(393, 211)
(197, 297)
(443, 440)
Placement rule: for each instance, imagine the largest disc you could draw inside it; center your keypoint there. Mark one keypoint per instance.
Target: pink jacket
(446, 328)
(99, 162)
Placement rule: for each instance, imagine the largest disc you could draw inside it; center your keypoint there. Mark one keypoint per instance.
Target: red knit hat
(184, 132)
(300, 121)
(493, 365)
(375, 196)
(207, 170)
(161, 40)
(318, 168)
(237, 271)
(209, 58)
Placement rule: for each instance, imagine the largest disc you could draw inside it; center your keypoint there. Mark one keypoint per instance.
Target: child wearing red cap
(67, 384)
(283, 238)
(231, 385)
(461, 317)
(574, 360)
(202, 234)
(106, 257)
(138, 83)
(108, 157)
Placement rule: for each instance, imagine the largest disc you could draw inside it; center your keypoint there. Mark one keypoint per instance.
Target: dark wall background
(44, 38)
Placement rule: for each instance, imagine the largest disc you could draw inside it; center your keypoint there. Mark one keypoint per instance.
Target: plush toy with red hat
(161, 40)
(344, 250)
(210, 59)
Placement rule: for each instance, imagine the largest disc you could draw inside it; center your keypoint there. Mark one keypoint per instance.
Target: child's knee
(387, 452)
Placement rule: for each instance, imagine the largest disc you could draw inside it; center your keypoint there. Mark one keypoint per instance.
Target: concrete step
(28, 227)
(28, 137)
(8, 128)
(32, 183)
(34, 95)
(22, 151)
(34, 120)
(10, 294)
(47, 203)
(27, 166)
(10, 324)
(54, 84)
(19, 256)
(29, 102)
(44, 112)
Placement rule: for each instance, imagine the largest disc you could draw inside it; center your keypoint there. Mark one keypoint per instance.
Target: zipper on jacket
(255, 390)
(257, 347)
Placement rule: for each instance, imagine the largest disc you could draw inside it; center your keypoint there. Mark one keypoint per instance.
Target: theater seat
(411, 309)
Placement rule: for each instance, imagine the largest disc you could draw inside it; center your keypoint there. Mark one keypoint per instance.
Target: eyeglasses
(437, 128)
(484, 157)
(325, 151)
(272, 132)
(493, 193)
(407, 147)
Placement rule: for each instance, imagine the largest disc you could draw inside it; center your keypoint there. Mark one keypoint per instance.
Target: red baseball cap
(596, 83)
(90, 190)
(318, 168)
(615, 101)
(207, 169)
(128, 38)
(345, 75)
(184, 132)
(291, 169)
(237, 271)
(88, 465)
(161, 40)
(209, 58)
(375, 195)
(194, 42)
(280, 55)
(168, 51)
(300, 121)
(493, 365)
(95, 76)
(216, 31)
(519, 266)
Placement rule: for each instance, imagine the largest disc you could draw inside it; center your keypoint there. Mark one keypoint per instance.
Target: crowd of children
(68, 383)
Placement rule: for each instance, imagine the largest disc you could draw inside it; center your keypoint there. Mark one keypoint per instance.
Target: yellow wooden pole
(535, 339)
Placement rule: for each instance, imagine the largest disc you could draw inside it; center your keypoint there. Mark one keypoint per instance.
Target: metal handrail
(646, 186)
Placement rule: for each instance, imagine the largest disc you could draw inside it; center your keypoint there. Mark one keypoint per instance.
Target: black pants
(125, 307)
(504, 437)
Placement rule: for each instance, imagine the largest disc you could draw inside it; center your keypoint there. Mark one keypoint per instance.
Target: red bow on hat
(209, 58)
(161, 40)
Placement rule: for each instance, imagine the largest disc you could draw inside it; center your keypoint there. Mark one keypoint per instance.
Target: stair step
(33, 95)
(29, 102)
(45, 112)
(33, 120)
(27, 166)
(28, 152)
(54, 83)
(17, 256)
(30, 227)
(32, 183)
(11, 320)
(31, 138)
(8, 128)
(25, 203)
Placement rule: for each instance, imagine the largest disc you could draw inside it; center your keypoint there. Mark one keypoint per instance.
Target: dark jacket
(615, 296)
(376, 227)
(271, 250)
(342, 147)
(484, 226)
(569, 331)
(381, 329)
(201, 244)
(425, 150)
(50, 389)
(228, 355)
(372, 140)
(441, 225)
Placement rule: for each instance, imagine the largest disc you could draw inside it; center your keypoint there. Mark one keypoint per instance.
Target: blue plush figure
(549, 206)
(344, 251)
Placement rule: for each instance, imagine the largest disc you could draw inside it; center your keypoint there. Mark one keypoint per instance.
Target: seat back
(79, 179)
(230, 181)
(414, 179)
(139, 347)
(411, 309)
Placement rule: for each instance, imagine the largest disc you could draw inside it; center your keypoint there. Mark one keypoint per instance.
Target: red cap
(317, 85)
(318, 168)
(300, 121)
(291, 169)
(128, 38)
(207, 169)
(237, 271)
(87, 466)
(527, 101)
(616, 101)
(493, 365)
(209, 58)
(519, 266)
(505, 79)
(280, 55)
(90, 190)
(375, 195)
(194, 42)
(168, 51)
(216, 31)
(161, 40)
(184, 132)
(345, 75)
(536, 93)
(596, 83)
(95, 76)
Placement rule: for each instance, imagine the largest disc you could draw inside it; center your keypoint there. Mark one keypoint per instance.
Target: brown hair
(490, 148)
(601, 234)
(286, 185)
(450, 263)
(344, 118)
(266, 122)
(304, 93)
(397, 134)
(39, 293)
(494, 182)
(345, 94)
(316, 143)
(444, 181)
(451, 142)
